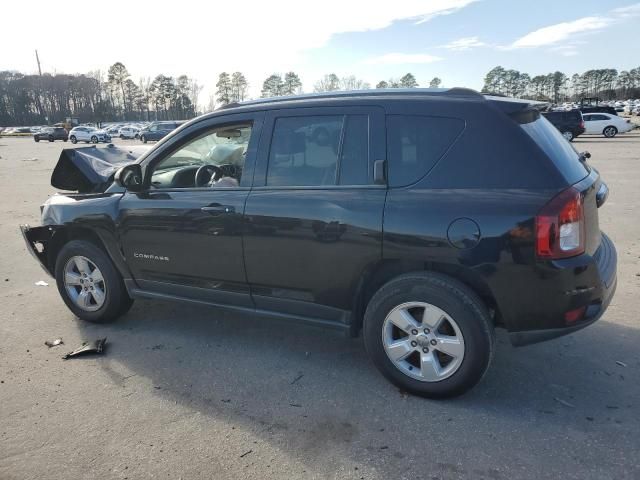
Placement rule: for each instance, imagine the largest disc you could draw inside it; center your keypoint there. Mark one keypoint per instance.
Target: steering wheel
(206, 173)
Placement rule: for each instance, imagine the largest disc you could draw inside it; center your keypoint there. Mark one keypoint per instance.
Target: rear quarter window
(415, 143)
(559, 150)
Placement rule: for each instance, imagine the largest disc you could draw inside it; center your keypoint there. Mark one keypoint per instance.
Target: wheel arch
(63, 234)
(378, 274)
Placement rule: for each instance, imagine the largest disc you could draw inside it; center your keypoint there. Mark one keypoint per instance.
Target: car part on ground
(96, 347)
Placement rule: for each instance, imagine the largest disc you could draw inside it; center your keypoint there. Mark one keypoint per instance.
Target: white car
(605, 124)
(88, 134)
(129, 132)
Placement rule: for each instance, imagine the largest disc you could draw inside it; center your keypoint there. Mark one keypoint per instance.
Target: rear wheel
(36, 138)
(610, 131)
(429, 334)
(568, 135)
(51, 139)
(94, 139)
(89, 283)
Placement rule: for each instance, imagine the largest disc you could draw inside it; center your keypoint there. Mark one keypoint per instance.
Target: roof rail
(457, 92)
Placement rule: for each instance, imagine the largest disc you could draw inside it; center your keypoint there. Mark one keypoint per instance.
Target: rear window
(559, 150)
(415, 143)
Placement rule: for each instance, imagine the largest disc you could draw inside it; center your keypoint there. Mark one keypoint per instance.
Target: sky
(455, 40)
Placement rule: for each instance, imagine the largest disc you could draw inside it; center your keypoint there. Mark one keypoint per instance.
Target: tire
(471, 328)
(568, 135)
(94, 139)
(51, 139)
(36, 139)
(610, 131)
(64, 139)
(73, 139)
(144, 139)
(115, 300)
(121, 137)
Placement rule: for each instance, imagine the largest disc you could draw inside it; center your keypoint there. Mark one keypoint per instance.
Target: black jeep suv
(423, 218)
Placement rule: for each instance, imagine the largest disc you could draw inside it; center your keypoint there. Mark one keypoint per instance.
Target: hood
(91, 169)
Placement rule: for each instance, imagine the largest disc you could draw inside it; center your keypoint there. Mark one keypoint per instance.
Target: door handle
(218, 209)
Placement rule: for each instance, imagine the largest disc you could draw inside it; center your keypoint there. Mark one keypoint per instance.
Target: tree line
(95, 97)
(113, 95)
(557, 87)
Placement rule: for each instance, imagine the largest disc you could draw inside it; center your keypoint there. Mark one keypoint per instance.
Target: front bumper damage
(37, 240)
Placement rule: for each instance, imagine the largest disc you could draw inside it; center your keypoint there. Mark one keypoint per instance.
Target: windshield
(558, 149)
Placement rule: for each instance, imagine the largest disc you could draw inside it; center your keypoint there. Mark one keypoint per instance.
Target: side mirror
(129, 177)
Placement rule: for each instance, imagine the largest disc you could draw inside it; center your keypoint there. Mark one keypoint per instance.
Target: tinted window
(309, 151)
(416, 143)
(560, 151)
(354, 161)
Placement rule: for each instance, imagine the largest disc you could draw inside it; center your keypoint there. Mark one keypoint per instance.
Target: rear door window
(319, 150)
(415, 143)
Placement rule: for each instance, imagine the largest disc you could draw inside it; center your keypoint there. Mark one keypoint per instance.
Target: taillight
(581, 123)
(560, 226)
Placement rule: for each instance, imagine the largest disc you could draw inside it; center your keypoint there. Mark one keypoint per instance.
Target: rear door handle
(218, 209)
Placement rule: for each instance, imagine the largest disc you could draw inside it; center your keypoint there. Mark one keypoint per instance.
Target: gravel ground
(186, 392)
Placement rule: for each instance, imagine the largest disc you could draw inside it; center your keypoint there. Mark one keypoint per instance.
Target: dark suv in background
(51, 134)
(570, 122)
(423, 218)
(158, 130)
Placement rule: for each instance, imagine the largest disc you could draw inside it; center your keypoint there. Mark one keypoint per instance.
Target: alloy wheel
(423, 341)
(84, 283)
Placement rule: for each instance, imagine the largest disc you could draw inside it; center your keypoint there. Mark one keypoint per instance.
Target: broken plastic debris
(54, 343)
(622, 364)
(42, 283)
(97, 346)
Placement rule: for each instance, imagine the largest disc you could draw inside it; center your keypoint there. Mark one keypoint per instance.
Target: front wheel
(94, 139)
(89, 283)
(36, 139)
(429, 334)
(51, 139)
(73, 139)
(610, 132)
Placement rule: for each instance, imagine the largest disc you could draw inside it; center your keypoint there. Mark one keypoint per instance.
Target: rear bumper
(595, 298)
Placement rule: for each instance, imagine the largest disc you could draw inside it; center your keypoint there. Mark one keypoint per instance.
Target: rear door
(314, 215)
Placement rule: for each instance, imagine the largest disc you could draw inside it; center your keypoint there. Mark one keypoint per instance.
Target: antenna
(38, 60)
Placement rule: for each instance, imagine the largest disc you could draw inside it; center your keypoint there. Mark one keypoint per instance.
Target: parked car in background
(113, 130)
(605, 124)
(129, 132)
(568, 122)
(594, 105)
(423, 219)
(88, 134)
(51, 134)
(158, 130)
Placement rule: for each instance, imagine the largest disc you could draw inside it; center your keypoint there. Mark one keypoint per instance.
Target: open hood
(91, 169)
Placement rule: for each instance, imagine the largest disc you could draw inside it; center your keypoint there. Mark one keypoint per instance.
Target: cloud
(465, 43)
(561, 31)
(567, 31)
(401, 58)
(454, 6)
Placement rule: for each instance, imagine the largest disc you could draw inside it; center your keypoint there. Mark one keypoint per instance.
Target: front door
(182, 235)
(314, 216)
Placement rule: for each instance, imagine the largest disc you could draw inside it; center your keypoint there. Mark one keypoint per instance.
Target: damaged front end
(90, 212)
(38, 239)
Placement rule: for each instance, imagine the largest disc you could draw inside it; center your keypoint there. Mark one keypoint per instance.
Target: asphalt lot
(186, 392)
